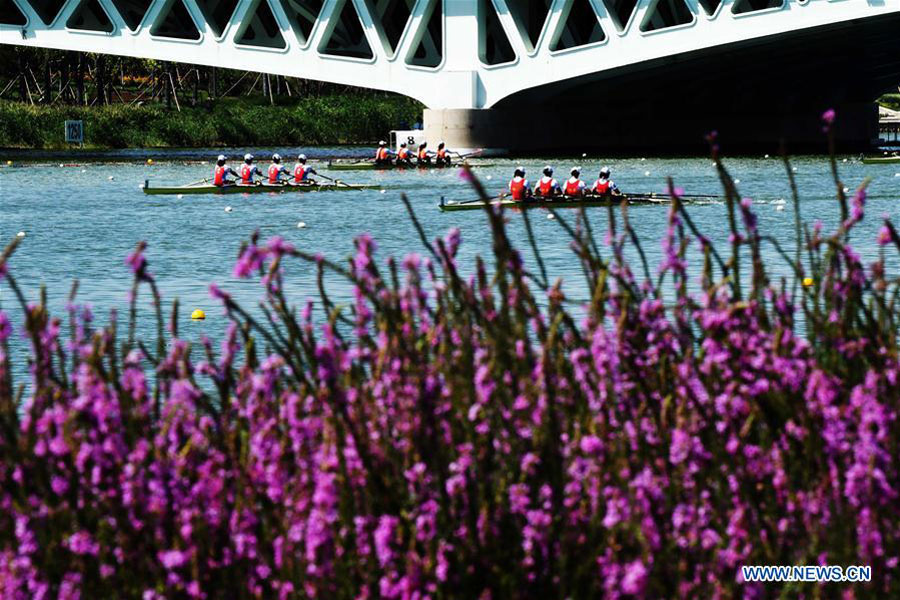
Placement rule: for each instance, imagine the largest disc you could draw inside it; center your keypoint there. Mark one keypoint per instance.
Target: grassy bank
(891, 101)
(335, 119)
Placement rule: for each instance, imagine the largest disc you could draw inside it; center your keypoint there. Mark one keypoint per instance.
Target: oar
(338, 182)
(467, 155)
(197, 182)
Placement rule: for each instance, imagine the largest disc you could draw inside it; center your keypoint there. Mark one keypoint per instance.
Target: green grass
(891, 101)
(343, 119)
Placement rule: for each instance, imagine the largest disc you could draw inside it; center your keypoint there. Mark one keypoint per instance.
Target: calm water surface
(81, 221)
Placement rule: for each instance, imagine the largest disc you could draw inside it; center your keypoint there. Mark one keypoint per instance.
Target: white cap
(575, 170)
(301, 157)
(520, 168)
(276, 157)
(248, 157)
(382, 143)
(221, 157)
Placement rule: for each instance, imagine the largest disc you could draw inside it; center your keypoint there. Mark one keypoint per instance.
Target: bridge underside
(754, 94)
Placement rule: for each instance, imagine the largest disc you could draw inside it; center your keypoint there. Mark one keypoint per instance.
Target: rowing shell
(261, 188)
(557, 202)
(371, 166)
(882, 160)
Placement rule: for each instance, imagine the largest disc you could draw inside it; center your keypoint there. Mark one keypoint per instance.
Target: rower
(424, 156)
(302, 171)
(547, 187)
(248, 170)
(604, 186)
(518, 185)
(443, 155)
(574, 185)
(404, 156)
(276, 169)
(220, 176)
(383, 154)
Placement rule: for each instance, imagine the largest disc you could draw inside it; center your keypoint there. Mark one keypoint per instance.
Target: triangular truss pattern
(347, 36)
(745, 6)
(10, 14)
(620, 11)
(494, 47)
(710, 6)
(530, 17)
(90, 16)
(132, 11)
(47, 10)
(581, 26)
(429, 49)
(302, 15)
(393, 15)
(217, 14)
(175, 22)
(261, 29)
(667, 13)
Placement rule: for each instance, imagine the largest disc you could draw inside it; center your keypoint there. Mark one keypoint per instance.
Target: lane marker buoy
(227, 209)
(646, 173)
(21, 234)
(489, 177)
(550, 216)
(180, 196)
(111, 178)
(808, 281)
(301, 225)
(737, 181)
(198, 315)
(779, 207)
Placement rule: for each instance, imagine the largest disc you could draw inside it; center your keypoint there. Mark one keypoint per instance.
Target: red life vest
(246, 173)
(300, 173)
(403, 154)
(573, 187)
(517, 188)
(545, 185)
(381, 154)
(274, 171)
(601, 187)
(219, 178)
(423, 154)
(442, 154)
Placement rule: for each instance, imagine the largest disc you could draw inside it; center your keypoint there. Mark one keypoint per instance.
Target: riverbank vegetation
(126, 102)
(891, 101)
(334, 119)
(465, 430)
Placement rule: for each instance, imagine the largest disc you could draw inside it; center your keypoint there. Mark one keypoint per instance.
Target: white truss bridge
(464, 54)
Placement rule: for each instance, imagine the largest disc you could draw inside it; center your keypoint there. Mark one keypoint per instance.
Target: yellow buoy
(149, 161)
(808, 281)
(9, 163)
(198, 315)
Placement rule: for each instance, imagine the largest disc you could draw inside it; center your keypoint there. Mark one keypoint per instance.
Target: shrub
(452, 436)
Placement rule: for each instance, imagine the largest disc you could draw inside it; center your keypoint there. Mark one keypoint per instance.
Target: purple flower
(828, 119)
(172, 559)
(635, 579)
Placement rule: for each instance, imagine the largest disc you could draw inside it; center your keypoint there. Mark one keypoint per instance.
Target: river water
(81, 220)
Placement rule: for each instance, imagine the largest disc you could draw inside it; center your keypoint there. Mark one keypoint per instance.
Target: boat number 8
(411, 141)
